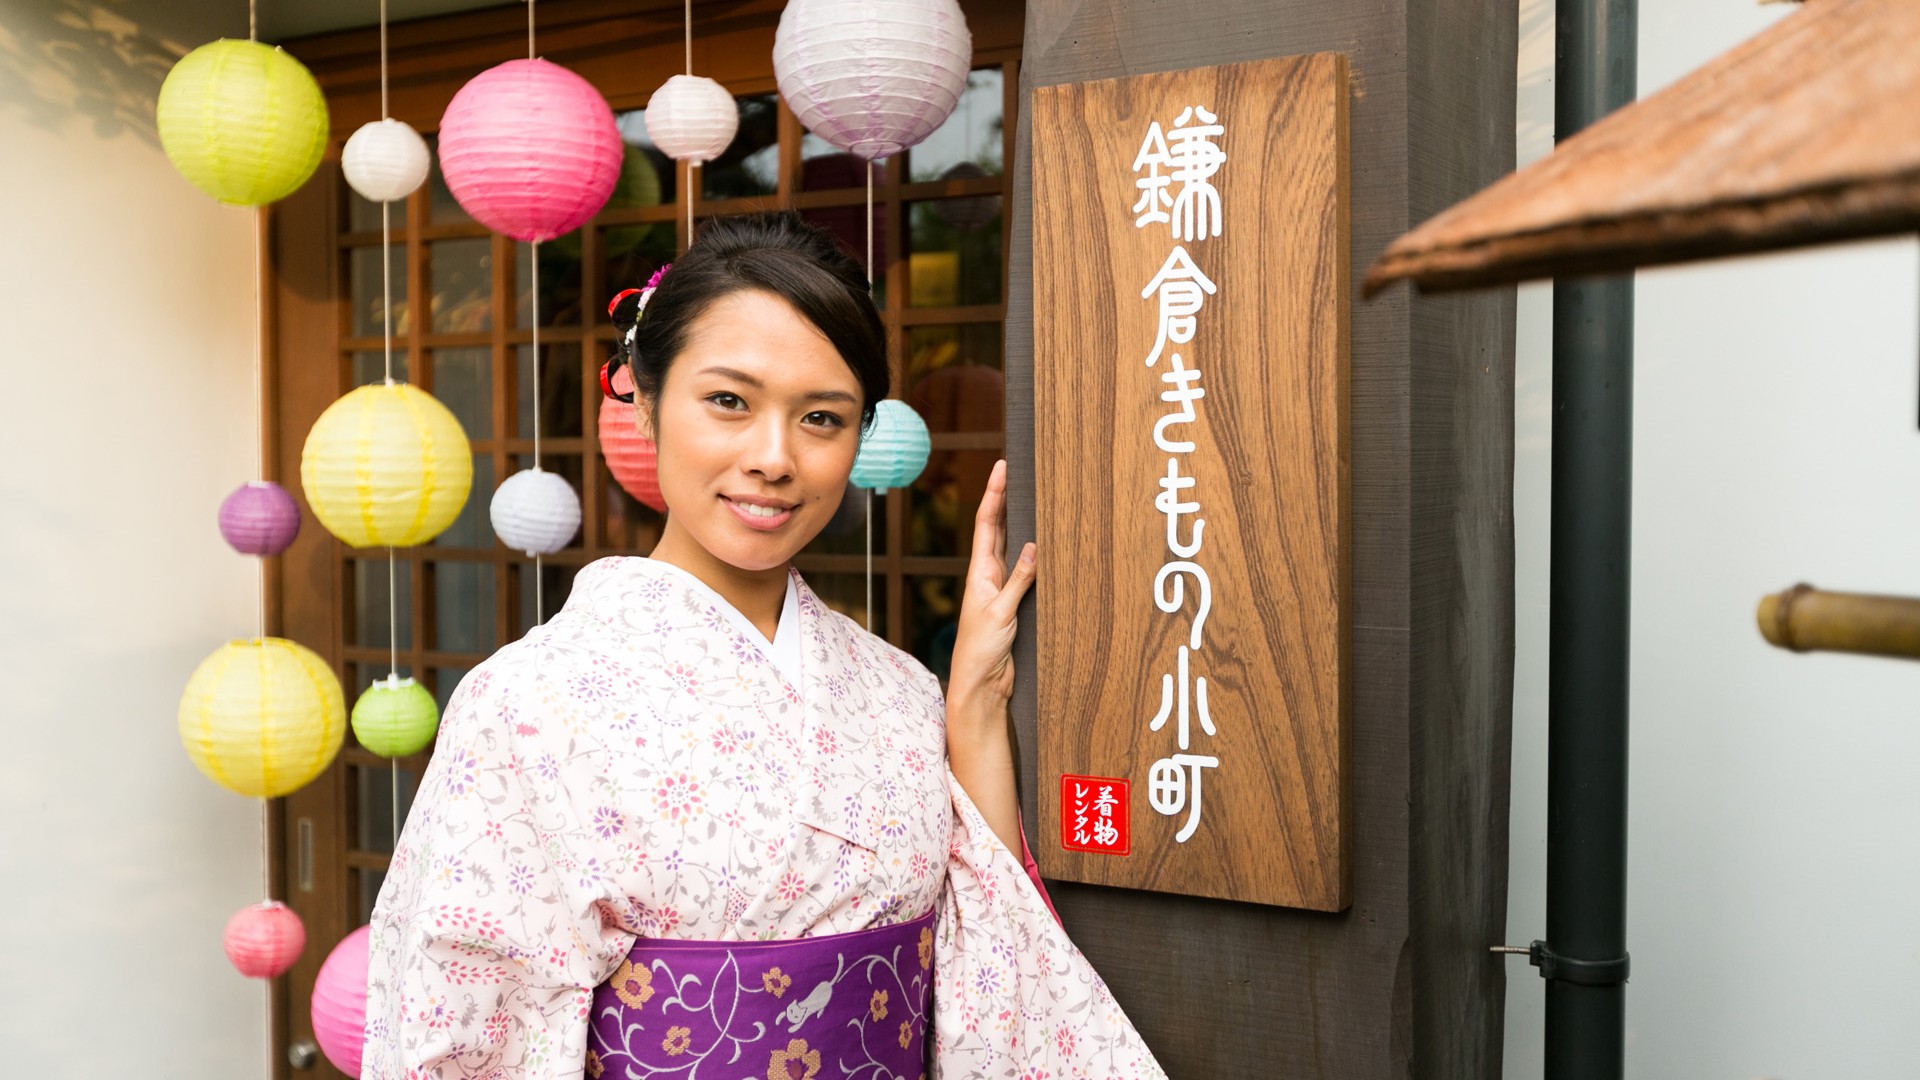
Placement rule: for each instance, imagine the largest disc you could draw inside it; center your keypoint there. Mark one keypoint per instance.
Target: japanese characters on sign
(1189, 156)
(1094, 814)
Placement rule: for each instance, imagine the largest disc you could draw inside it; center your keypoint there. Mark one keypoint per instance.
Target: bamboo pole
(1806, 619)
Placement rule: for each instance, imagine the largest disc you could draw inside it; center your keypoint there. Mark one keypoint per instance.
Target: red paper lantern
(631, 456)
(263, 940)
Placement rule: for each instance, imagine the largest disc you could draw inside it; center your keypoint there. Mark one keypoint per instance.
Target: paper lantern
(631, 456)
(692, 119)
(263, 717)
(894, 449)
(872, 77)
(386, 466)
(530, 149)
(535, 511)
(395, 717)
(340, 1003)
(263, 940)
(386, 160)
(259, 518)
(245, 122)
(972, 212)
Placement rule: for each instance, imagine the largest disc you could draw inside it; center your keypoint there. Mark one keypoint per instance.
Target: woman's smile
(765, 515)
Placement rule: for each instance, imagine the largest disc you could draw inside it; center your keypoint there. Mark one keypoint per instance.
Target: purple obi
(824, 1008)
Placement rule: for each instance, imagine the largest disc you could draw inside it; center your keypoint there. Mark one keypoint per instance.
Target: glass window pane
(371, 367)
(954, 252)
(847, 594)
(970, 142)
(367, 884)
(441, 205)
(373, 788)
(463, 607)
(846, 532)
(558, 581)
(826, 168)
(463, 381)
(369, 302)
(648, 177)
(363, 214)
(370, 602)
(472, 529)
(632, 253)
(561, 397)
(629, 526)
(953, 375)
(933, 614)
(559, 282)
(445, 679)
(944, 500)
(460, 279)
(751, 164)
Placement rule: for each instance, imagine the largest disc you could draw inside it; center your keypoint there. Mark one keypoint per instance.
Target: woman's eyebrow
(740, 376)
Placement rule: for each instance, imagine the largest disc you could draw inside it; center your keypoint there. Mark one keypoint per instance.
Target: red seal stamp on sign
(1093, 815)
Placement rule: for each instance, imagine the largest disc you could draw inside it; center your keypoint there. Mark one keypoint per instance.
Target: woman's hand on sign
(981, 679)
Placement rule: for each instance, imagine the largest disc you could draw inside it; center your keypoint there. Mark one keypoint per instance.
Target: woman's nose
(769, 451)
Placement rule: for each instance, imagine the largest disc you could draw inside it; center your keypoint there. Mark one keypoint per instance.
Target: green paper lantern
(245, 122)
(395, 717)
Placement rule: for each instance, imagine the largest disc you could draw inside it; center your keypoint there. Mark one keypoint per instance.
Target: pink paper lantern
(631, 456)
(530, 149)
(872, 77)
(259, 518)
(263, 940)
(340, 1003)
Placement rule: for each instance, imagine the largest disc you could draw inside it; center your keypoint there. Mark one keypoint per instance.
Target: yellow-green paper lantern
(263, 716)
(386, 466)
(245, 122)
(395, 717)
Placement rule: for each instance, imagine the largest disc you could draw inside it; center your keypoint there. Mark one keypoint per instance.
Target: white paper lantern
(385, 161)
(535, 511)
(872, 77)
(692, 119)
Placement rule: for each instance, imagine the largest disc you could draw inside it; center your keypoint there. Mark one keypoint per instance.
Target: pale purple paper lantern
(872, 77)
(691, 118)
(259, 518)
(530, 149)
(340, 1003)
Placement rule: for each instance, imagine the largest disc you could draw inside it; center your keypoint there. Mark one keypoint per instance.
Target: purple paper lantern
(259, 518)
(872, 77)
(530, 149)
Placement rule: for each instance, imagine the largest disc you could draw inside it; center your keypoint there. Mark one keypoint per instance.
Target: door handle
(303, 1054)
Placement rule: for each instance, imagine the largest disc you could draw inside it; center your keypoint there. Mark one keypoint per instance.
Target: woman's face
(757, 424)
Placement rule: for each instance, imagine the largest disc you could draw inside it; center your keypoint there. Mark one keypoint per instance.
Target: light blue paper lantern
(893, 450)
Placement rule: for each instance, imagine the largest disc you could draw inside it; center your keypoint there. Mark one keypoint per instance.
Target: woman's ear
(643, 418)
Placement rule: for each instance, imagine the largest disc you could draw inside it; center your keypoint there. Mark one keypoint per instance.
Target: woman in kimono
(697, 824)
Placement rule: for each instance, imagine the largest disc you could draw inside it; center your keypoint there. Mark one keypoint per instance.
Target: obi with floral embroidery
(818, 1008)
(641, 770)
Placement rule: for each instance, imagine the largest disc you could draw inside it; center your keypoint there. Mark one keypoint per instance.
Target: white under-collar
(784, 649)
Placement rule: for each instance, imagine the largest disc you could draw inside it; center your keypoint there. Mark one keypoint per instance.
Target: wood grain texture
(1806, 133)
(1399, 985)
(1269, 471)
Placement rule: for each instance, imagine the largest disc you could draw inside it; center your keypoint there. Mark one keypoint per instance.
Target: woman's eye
(726, 400)
(824, 419)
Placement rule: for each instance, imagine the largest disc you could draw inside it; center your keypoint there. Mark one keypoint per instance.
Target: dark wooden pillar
(1401, 984)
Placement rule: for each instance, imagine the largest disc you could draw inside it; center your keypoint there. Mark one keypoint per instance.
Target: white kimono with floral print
(636, 766)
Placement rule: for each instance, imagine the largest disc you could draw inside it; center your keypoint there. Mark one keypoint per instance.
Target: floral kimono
(639, 770)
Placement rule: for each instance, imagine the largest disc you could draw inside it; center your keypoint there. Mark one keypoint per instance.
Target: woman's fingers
(1007, 603)
(990, 531)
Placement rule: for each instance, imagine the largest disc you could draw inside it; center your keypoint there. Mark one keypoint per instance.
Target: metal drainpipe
(1584, 956)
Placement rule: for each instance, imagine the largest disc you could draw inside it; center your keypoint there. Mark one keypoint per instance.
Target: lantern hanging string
(529, 29)
(689, 37)
(253, 23)
(691, 164)
(539, 584)
(260, 387)
(867, 167)
(386, 334)
(385, 113)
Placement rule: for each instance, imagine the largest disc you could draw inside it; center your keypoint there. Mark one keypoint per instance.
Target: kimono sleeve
(1012, 994)
(493, 926)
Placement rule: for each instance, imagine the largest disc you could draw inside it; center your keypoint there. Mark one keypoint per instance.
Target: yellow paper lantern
(245, 122)
(263, 716)
(386, 466)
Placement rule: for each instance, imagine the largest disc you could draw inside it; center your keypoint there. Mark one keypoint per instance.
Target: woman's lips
(764, 517)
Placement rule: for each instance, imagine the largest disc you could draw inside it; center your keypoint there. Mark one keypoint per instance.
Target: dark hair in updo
(773, 252)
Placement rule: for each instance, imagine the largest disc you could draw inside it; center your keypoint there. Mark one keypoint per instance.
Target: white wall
(1773, 867)
(125, 416)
